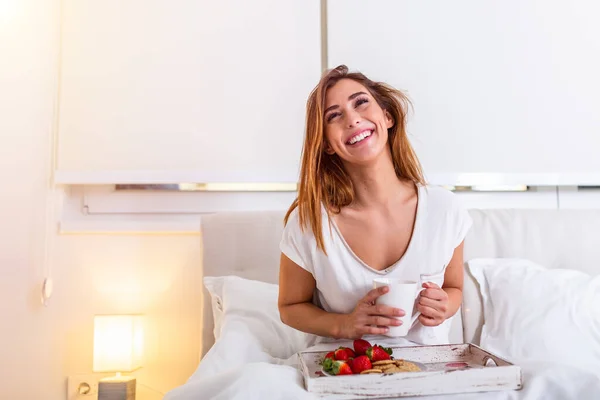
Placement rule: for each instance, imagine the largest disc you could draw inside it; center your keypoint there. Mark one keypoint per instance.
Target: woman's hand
(433, 305)
(369, 318)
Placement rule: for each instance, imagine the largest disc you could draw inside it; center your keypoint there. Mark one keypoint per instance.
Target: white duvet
(237, 368)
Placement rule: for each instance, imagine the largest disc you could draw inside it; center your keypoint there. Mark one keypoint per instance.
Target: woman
(363, 211)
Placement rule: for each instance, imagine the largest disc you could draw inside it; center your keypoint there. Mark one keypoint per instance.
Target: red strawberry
(341, 354)
(361, 346)
(330, 355)
(377, 353)
(350, 352)
(360, 363)
(340, 368)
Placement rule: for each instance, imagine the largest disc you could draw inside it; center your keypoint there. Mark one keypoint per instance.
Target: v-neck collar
(414, 237)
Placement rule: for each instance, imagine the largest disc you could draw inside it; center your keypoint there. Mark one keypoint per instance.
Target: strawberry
(350, 352)
(378, 353)
(341, 354)
(344, 354)
(360, 363)
(361, 346)
(327, 363)
(330, 355)
(340, 368)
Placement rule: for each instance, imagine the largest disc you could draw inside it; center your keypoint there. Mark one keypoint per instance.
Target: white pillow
(215, 289)
(534, 313)
(254, 304)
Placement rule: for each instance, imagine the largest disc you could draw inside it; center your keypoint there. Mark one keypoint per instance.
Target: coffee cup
(401, 294)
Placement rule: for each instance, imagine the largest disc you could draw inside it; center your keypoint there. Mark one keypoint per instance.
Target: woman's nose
(353, 118)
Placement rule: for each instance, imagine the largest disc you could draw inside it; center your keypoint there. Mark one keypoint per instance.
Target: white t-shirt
(342, 278)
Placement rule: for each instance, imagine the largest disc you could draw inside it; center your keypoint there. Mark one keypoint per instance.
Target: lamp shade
(118, 343)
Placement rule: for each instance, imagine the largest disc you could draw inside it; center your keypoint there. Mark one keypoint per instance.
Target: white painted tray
(483, 372)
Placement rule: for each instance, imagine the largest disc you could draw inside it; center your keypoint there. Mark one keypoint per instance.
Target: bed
(531, 293)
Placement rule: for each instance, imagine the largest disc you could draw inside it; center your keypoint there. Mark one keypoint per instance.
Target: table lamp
(118, 347)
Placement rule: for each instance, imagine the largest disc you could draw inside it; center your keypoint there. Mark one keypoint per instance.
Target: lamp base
(117, 388)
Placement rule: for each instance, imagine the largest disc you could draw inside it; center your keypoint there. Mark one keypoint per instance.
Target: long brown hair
(323, 179)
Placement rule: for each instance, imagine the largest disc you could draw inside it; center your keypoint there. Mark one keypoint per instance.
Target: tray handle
(489, 362)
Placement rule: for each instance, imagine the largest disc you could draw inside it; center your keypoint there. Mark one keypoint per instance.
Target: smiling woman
(356, 107)
(363, 211)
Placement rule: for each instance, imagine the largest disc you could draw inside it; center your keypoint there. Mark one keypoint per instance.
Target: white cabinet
(189, 90)
(501, 88)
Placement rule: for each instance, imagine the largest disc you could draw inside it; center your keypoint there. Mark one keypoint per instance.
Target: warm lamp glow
(118, 343)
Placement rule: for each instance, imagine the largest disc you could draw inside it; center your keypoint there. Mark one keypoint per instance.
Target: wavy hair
(323, 179)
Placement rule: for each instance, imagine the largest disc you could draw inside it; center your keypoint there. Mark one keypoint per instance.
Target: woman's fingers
(386, 311)
(374, 294)
(425, 301)
(374, 330)
(434, 294)
(383, 321)
(426, 321)
(429, 316)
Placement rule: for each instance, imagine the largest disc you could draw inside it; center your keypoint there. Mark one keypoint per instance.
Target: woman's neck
(377, 185)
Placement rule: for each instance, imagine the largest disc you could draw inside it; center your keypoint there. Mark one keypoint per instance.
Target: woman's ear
(389, 120)
(328, 149)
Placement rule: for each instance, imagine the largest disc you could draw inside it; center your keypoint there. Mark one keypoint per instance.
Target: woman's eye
(361, 101)
(331, 116)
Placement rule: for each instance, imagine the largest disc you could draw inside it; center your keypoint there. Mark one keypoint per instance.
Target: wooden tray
(479, 371)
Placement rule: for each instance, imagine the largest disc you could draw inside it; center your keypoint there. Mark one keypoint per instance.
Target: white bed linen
(237, 368)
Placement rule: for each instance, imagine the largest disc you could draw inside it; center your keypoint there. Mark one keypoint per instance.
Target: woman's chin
(364, 156)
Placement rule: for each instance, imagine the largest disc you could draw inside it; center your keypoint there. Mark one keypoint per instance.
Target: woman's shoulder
(294, 226)
(441, 200)
(441, 194)
(447, 215)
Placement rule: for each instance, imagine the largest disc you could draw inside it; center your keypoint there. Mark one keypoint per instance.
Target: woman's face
(355, 126)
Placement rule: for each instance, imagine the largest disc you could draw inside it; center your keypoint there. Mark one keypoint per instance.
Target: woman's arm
(296, 288)
(438, 304)
(453, 281)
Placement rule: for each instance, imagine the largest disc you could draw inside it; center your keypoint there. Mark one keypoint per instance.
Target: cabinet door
(185, 91)
(507, 88)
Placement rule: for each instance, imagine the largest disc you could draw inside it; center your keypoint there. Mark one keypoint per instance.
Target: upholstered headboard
(247, 244)
(566, 239)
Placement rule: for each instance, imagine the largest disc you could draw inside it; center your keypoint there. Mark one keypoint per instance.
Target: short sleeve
(462, 222)
(294, 243)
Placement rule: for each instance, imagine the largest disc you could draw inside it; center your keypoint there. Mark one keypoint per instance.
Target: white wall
(27, 73)
(155, 275)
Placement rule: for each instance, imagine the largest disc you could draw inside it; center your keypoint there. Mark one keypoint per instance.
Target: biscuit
(371, 371)
(383, 362)
(393, 370)
(406, 366)
(409, 367)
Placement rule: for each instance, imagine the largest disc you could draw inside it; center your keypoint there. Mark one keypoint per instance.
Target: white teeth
(360, 137)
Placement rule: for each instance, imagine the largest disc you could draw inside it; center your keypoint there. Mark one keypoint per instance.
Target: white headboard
(247, 244)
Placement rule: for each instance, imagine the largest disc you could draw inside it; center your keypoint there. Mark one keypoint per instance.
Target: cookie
(383, 362)
(371, 371)
(408, 367)
(393, 370)
(403, 366)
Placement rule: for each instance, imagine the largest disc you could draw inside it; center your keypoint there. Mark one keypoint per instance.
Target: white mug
(402, 294)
